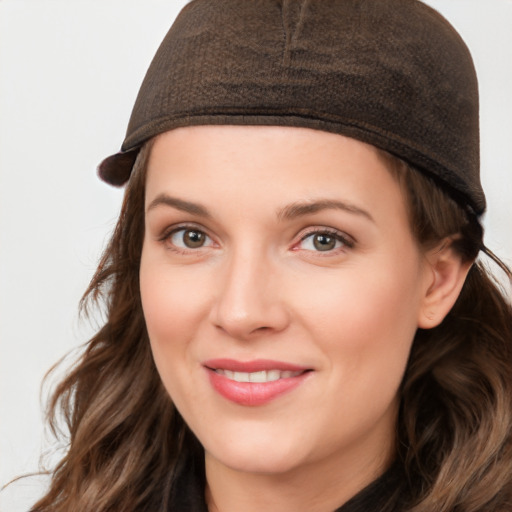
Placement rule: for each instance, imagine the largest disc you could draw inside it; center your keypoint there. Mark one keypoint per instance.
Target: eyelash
(167, 237)
(346, 241)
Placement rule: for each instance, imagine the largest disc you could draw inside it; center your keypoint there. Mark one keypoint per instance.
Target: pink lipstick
(256, 382)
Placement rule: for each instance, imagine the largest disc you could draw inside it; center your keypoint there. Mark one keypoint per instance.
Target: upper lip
(256, 365)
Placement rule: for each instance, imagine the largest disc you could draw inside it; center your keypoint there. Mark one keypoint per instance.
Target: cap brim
(116, 169)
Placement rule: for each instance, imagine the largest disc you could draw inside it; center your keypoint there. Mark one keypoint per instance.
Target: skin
(259, 288)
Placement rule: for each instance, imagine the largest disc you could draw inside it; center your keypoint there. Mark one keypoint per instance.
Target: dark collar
(377, 497)
(188, 492)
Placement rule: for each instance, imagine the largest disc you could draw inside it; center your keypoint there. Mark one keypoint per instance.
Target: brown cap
(392, 73)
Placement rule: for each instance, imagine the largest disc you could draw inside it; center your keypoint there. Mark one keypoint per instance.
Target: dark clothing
(375, 496)
(189, 492)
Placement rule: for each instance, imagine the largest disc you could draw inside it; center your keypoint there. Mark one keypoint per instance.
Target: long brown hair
(127, 441)
(455, 424)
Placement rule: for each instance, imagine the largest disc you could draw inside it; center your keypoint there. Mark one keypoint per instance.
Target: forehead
(269, 166)
(247, 147)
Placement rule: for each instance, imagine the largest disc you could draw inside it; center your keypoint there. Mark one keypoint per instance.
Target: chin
(262, 465)
(255, 457)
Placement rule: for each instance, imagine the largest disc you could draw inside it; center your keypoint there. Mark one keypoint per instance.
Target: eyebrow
(300, 209)
(179, 204)
(289, 212)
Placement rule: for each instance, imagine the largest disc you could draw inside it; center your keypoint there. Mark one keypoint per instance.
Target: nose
(249, 300)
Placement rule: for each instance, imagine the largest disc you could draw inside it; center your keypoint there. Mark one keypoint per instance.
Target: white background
(69, 73)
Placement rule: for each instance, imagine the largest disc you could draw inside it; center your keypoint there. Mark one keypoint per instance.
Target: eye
(189, 238)
(324, 241)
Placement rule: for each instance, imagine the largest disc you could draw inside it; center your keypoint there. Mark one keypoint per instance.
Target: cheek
(172, 303)
(368, 330)
(160, 303)
(383, 311)
(366, 318)
(171, 296)
(172, 307)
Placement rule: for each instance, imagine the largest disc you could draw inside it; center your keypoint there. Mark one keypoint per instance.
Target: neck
(309, 488)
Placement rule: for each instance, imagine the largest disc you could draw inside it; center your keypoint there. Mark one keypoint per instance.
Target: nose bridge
(248, 299)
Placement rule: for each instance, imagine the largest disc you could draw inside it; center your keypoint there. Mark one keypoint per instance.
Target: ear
(446, 273)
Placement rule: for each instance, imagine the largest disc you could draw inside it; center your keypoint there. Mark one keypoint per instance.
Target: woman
(295, 317)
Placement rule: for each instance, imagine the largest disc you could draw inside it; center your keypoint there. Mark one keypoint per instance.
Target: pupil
(324, 242)
(194, 239)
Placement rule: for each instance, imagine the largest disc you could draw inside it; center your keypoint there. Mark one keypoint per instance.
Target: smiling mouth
(254, 383)
(259, 376)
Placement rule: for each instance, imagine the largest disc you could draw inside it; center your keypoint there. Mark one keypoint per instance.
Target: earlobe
(447, 273)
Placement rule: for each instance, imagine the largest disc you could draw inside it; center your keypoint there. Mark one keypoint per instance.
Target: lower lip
(253, 393)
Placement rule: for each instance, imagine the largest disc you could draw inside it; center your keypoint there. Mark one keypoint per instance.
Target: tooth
(261, 376)
(241, 376)
(258, 376)
(273, 375)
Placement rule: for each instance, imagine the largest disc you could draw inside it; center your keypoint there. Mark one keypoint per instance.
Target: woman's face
(281, 288)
